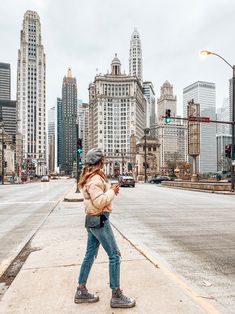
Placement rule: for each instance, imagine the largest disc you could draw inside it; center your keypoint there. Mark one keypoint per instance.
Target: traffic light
(79, 146)
(233, 152)
(168, 116)
(5, 164)
(228, 150)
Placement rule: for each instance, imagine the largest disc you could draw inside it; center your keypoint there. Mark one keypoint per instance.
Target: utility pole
(122, 163)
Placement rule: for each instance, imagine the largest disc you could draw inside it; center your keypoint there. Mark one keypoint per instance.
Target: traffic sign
(199, 119)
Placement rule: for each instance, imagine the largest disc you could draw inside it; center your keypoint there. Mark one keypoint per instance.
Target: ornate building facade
(172, 136)
(31, 91)
(117, 110)
(152, 157)
(135, 56)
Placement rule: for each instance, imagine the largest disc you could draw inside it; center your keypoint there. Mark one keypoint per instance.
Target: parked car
(159, 179)
(126, 181)
(45, 179)
(172, 178)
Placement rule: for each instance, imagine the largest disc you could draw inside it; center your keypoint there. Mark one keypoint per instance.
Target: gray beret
(93, 156)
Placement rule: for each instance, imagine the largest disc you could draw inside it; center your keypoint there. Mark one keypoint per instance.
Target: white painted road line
(36, 202)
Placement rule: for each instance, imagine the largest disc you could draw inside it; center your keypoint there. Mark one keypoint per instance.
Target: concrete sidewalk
(47, 281)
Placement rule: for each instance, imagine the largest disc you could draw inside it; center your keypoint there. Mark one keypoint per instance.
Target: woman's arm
(99, 197)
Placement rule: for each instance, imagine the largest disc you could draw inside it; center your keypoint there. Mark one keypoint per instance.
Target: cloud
(86, 34)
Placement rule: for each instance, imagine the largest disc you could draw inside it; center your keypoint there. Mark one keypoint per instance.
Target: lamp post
(206, 52)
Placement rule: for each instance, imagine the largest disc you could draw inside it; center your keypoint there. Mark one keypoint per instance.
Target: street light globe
(205, 52)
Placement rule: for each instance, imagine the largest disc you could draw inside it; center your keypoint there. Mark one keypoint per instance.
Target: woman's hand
(115, 187)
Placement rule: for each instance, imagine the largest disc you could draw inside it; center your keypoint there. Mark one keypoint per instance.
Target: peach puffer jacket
(98, 195)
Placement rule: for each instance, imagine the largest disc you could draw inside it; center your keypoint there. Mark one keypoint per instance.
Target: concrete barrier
(210, 186)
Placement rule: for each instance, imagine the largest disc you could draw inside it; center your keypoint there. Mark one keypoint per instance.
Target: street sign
(198, 119)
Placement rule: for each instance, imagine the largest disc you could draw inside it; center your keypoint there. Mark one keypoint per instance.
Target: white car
(45, 179)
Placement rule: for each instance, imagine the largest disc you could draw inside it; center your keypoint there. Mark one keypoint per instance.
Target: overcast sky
(85, 35)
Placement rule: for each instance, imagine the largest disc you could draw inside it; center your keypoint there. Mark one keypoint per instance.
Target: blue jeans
(105, 237)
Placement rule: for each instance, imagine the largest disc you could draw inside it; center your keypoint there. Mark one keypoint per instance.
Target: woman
(98, 196)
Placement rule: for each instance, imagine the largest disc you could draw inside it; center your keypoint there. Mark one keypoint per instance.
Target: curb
(73, 199)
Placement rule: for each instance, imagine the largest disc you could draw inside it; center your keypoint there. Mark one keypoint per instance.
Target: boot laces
(123, 297)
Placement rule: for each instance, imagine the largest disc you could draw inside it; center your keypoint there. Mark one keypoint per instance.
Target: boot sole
(85, 301)
(123, 305)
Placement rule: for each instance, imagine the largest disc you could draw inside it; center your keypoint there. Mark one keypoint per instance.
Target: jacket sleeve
(100, 199)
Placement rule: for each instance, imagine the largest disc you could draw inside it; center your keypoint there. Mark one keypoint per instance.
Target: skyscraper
(5, 81)
(51, 139)
(203, 93)
(31, 91)
(7, 106)
(83, 117)
(69, 116)
(59, 133)
(8, 116)
(151, 106)
(135, 57)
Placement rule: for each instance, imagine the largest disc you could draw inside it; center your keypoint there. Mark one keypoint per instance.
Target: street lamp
(207, 52)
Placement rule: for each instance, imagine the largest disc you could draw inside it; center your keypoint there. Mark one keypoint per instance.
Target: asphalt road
(22, 209)
(191, 233)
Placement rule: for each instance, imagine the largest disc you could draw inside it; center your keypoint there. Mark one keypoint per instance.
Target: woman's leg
(106, 238)
(91, 253)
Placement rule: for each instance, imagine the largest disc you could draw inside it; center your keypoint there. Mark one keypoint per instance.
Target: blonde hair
(91, 170)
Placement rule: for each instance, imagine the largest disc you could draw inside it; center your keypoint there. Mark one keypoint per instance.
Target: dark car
(126, 181)
(159, 179)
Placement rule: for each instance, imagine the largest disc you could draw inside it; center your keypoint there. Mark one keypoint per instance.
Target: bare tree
(224, 164)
